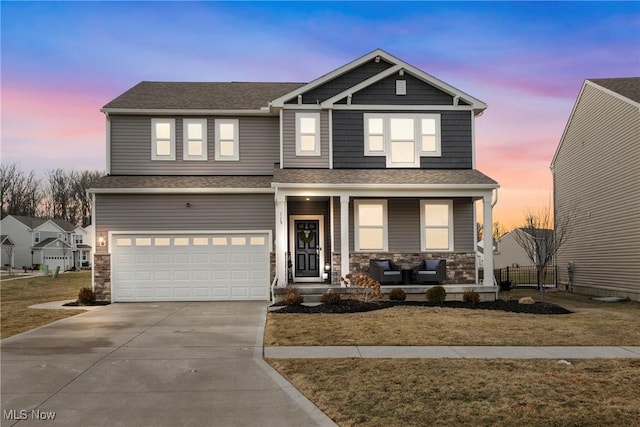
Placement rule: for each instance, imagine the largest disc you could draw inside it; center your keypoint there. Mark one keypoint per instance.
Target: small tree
(541, 240)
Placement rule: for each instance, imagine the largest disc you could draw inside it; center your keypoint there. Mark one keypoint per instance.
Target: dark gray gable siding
(168, 212)
(348, 142)
(343, 82)
(404, 225)
(383, 92)
(131, 148)
(290, 160)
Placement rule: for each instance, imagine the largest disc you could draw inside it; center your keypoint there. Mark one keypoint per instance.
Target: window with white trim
(194, 139)
(36, 237)
(370, 225)
(436, 222)
(307, 134)
(402, 138)
(227, 145)
(163, 139)
(78, 239)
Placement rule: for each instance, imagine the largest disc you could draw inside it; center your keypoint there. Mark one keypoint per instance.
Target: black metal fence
(524, 277)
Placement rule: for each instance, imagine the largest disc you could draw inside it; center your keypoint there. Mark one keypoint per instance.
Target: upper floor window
(371, 225)
(163, 139)
(436, 220)
(227, 146)
(77, 239)
(307, 134)
(194, 135)
(36, 237)
(402, 138)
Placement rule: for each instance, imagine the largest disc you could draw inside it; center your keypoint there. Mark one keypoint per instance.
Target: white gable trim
(398, 65)
(575, 107)
(357, 88)
(52, 223)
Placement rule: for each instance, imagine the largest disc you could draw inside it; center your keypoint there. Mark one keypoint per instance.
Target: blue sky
(61, 61)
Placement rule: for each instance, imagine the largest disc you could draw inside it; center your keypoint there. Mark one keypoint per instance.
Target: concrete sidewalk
(452, 352)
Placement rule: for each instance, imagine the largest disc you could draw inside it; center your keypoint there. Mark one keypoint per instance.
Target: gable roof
(624, 88)
(545, 233)
(6, 240)
(398, 64)
(34, 222)
(629, 87)
(199, 96)
(49, 241)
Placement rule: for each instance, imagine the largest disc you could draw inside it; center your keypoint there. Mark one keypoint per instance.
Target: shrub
(330, 298)
(86, 296)
(397, 294)
(437, 294)
(472, 297)
(364, 288)
(293, 298)
(505, 285)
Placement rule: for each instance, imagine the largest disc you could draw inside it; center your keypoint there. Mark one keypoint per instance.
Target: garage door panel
(148, 267)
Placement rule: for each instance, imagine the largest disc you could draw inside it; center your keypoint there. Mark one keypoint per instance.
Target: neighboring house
(215, 191)
(508, 253)
(83, 242)
(50, 242)
(596, 172)
(8, 251)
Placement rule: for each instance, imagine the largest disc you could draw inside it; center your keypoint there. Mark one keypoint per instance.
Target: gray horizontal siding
(290, 160)
(166, 212)
(383, 92)
(343, 82)
(404, 225)
(456, 142)
(131, 148)
(596, 173)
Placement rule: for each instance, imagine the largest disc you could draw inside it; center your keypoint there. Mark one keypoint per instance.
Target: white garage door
(187, 267)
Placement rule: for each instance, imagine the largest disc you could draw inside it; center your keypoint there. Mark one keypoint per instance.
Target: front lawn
(17, 295)
(448, 392)
(592, 323)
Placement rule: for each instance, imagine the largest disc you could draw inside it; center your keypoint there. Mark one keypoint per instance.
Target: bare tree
(82, 182)
(497, 231)
(20, 193)
(541, 240)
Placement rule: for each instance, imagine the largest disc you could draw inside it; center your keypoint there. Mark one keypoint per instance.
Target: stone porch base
(313, 292)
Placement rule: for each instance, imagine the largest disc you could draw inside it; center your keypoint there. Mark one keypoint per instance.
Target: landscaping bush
(471, 297)
(397, 294)
(330, 298)
(86, 296)
(505, 285)
(437, 294)
(293, 298)
(364, 288)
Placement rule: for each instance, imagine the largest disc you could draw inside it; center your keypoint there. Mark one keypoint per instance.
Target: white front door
(190, 267)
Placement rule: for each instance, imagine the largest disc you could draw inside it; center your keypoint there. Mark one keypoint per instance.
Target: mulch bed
(78, 304)
(355, 306)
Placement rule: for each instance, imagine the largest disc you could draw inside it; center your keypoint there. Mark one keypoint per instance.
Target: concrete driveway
(150, 364)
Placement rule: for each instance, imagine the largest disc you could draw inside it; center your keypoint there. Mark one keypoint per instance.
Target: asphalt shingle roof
(164, 181)
(47, 242)
(201, 95)
(33, 222)
(382, 176)
(629, 87)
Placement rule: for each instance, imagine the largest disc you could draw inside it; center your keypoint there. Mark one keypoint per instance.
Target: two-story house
(51, 242)
(219, 191)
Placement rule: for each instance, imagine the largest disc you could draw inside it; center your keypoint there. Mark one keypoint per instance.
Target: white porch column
(344, 235)
(281, 239)
(487, 215)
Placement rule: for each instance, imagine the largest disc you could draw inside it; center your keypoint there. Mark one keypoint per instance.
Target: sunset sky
(62, 61)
